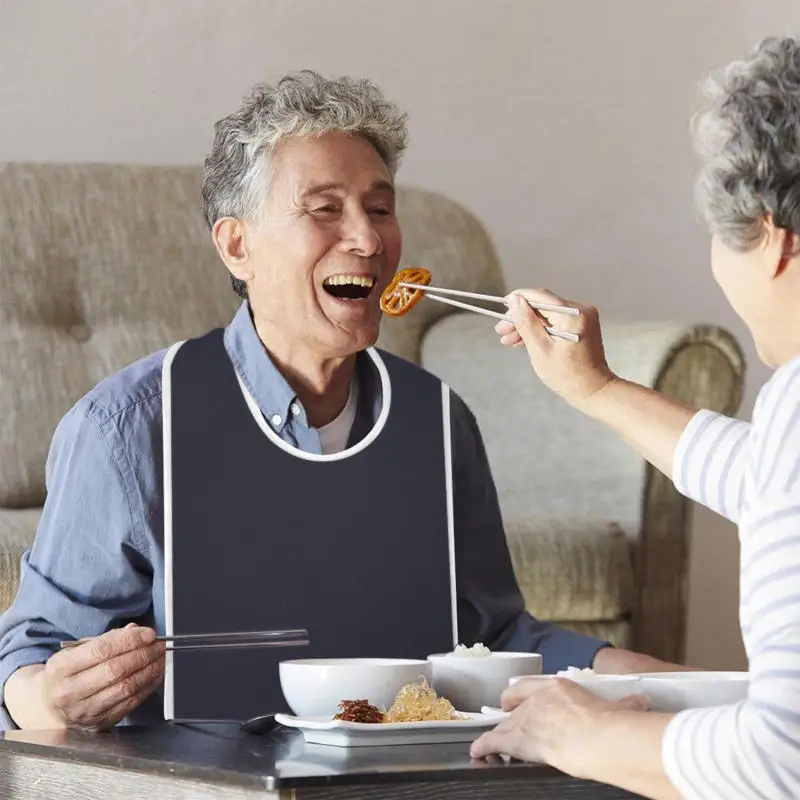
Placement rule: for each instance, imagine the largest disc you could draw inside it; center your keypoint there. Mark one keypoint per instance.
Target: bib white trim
(386, 401)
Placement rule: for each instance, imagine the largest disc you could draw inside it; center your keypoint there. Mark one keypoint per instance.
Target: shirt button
(295, 409)
(276, 419)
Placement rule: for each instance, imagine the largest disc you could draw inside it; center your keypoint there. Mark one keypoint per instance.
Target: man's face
(328, 245)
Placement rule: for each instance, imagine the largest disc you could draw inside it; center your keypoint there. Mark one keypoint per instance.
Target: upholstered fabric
(571, 570)
(17, 529)
(99, 266)
(618, 632)
(102, 264)
(549, 460)
(704, 367)
(552, 463)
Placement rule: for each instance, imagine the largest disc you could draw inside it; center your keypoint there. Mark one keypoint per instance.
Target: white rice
(575, 672)
(478, 650)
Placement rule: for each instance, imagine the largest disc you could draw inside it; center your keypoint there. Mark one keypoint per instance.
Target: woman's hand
(555, 721)
(576, 371)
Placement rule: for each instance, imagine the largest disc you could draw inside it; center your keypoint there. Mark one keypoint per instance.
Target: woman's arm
(747, 750)
(649, 422)
(704, 453)
(626, 752)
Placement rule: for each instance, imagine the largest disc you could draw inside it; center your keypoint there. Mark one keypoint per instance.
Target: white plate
(326, 730)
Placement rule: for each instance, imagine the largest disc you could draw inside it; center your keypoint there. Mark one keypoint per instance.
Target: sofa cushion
(572, 571)
(567, 572)
(103, 263)
(618, 632)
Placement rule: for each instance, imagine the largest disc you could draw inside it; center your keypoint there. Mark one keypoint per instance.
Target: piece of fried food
(418, 702)
(397, 300)
(358, 711)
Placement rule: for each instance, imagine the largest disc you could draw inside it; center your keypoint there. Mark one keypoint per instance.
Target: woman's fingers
(529, 324)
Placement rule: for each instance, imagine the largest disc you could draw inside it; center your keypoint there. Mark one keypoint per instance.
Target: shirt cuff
(562, 648)
(9, 665)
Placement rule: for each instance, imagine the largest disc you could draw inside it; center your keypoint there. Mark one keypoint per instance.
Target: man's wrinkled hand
(96, 684)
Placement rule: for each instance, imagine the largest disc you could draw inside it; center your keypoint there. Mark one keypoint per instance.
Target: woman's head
(747, 133)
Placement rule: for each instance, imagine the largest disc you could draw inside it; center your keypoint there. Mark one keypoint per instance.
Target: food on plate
(418, 702)
(478, 650)
(397, 300)
(415, 702)
(359, 711)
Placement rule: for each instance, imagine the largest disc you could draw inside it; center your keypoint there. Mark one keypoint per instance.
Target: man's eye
(382, 212)
(326, 210)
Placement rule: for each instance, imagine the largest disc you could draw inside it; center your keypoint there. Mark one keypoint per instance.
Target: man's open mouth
(349, 287)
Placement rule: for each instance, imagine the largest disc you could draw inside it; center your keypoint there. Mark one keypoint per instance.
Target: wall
(561, 123)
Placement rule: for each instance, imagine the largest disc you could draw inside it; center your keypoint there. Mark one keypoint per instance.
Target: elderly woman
(749, 189)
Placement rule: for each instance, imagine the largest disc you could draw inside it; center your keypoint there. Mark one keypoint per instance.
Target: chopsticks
(430, 290)
(221, 641)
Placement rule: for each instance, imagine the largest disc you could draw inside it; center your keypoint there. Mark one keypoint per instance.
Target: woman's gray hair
(236, 172)
(747, 133)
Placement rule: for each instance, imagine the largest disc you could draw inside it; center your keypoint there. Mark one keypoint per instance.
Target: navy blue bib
(356, 547)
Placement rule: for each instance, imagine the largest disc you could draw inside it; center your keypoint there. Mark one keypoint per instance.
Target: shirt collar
(259, 374)
(277, 400)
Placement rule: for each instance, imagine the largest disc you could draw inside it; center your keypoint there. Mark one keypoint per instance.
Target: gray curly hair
(747, 133)
(237, 170)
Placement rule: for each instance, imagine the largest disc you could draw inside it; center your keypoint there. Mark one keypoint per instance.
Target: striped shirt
(750, 473)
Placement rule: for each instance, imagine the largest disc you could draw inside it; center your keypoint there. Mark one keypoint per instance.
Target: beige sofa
(100, 264)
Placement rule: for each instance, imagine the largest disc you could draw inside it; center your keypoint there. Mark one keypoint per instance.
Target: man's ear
(230, 239)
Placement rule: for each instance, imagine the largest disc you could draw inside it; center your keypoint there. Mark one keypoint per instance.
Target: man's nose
(360, 237)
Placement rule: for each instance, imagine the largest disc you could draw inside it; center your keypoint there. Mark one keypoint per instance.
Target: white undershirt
(335, 434)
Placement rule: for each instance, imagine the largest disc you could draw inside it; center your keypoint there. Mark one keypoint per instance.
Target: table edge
(250, 780)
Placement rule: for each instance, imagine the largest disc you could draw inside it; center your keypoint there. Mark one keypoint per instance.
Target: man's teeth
(355, 280)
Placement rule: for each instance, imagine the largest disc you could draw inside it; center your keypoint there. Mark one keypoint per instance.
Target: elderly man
(298, 192)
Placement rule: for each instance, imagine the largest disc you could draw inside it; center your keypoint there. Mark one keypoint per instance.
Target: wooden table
(167, 762)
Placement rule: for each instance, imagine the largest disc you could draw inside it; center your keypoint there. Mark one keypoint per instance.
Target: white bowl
(609, 687)
(472, 682)
(677, 691)
(314, 687)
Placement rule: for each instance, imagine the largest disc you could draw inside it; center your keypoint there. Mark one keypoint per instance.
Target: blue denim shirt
(97, 561)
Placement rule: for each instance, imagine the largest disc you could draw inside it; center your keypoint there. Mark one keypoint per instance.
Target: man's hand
(612, 661)
(91, 686)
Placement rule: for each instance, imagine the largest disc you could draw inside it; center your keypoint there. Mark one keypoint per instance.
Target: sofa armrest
(17, 530)
(551, 462)
(596, 561)
(704, 367)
